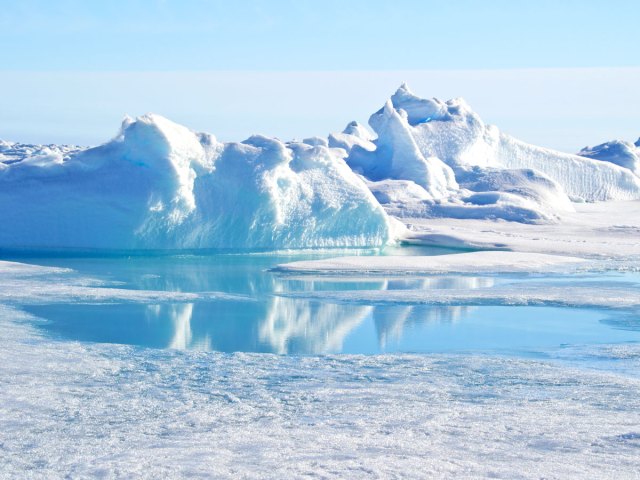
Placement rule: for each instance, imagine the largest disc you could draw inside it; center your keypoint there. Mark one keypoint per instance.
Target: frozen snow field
(116, 367)
(426, 297)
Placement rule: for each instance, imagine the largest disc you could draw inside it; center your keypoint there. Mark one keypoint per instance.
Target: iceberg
(158, 185)
(439, 159)
(454, 133)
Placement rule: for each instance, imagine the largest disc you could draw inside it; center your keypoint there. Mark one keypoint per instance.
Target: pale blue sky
(70, 69)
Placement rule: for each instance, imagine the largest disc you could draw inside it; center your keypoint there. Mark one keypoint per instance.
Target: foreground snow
(80, 410)
(72, 409)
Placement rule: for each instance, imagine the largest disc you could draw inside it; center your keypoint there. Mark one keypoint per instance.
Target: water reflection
(268, 322)
(286, 325)
(299, 326)
(392, 321)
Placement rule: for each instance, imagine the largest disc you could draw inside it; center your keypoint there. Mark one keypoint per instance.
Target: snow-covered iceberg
(158, 185)
(435, 158)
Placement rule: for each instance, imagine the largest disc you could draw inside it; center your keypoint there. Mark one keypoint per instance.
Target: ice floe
(470, 262)
(568, 294)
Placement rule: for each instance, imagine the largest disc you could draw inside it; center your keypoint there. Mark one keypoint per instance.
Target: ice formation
(158, 185)
(618, 152)
(439, 159)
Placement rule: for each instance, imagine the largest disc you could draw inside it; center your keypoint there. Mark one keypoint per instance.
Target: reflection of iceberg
(431, 283)
(285, 325)
(392, 321)
(180, 316)
(300, 326)
(279, 325)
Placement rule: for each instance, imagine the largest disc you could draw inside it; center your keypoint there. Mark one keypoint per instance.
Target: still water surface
(266, 322)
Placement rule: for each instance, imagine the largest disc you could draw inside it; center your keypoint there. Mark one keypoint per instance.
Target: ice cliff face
(158, 185)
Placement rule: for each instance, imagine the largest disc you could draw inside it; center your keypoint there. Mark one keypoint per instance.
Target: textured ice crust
(85, 411)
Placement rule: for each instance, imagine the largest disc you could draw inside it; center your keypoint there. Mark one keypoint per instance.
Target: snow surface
(76, 410)
(84, 411)
(470, 262)
(606, 231)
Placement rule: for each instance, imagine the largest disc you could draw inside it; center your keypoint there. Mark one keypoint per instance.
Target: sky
(559, 73)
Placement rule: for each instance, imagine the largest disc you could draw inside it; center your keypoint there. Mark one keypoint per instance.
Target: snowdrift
(158, 185)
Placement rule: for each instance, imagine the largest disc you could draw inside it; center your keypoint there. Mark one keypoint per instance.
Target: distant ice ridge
(619, 152)
(438, 159)
(159, 185)
(11, 152)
